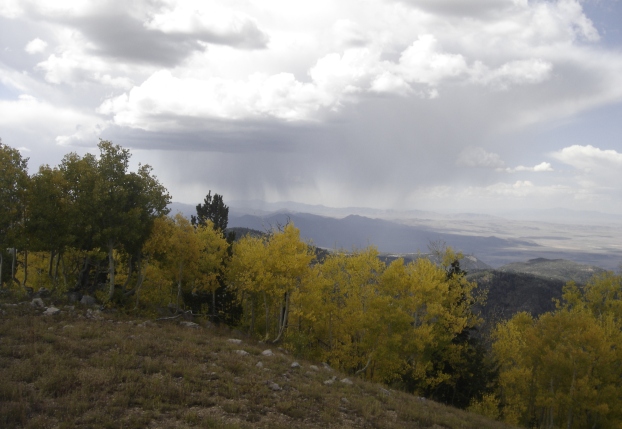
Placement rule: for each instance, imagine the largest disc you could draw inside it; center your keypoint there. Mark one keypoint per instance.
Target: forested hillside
(90, 230)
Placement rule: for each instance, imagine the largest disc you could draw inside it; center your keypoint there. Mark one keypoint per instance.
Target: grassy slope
(69, 371)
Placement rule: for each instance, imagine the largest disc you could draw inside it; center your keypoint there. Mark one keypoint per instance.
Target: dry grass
(67, 371)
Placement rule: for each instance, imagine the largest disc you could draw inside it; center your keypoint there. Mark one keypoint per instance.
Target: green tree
(48, 222)
(13, 186)
(127, 203)
(214, 210)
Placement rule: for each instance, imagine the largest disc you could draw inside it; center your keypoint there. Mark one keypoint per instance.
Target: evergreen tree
(213, 209)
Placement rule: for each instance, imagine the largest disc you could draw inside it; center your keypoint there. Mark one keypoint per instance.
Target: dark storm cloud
(471, 8)
(126, 38)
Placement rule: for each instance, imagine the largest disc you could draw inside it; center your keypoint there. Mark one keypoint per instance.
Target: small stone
(242, 352)
(273, 386)
(189, 324)
(330, 381)
(51, 311)
(345, 401)
(87, 300)
(295, 365)
(234, 341)
(326, 366)
(94, 314)
(267, 353)
(69, 307)
(346, 381)
(259, 364)
(67, 327)
(314, 367)
(37, 302)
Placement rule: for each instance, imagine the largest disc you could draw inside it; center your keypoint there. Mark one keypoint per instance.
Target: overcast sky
(449, 105)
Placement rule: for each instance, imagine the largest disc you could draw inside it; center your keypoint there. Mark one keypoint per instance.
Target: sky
(448, 105)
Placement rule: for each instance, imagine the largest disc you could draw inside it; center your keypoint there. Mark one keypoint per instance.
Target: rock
(273, 386)
(88, 300)
(346, 381)
(67, 327)
(242, 352)
(345, 400)
(189, 324)
(94, 314)
(326, 366)
(267, 353)
(234, 341)
(330, 380)
(314, 367)
(385, 392)
(37, 303)
(295, 365)
(51, 311)
(259, 364)
(69, 307)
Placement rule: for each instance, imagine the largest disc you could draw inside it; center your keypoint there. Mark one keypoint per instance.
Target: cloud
(343, 102)
(209, 23)
(542, 167)
(74, 68)
(521, 72)
(479, 157)
(50, 120)
(36, 46)
(590, 159)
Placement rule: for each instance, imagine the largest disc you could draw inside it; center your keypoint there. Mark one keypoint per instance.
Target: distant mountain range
(495, 241)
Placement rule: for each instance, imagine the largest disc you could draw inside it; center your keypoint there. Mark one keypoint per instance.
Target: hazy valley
(584, 237)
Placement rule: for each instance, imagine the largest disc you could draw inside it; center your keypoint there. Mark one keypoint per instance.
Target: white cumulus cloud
(590, 159)
(542, 167)
(36, 46)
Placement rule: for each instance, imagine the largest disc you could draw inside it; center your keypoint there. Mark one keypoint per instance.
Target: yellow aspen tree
(345, 284)
(213, 254)
(561, 370)
(153, 282)
(247, 277)
(183, 254)
(288, 264)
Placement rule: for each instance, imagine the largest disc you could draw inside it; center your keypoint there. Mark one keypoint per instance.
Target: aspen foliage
(385, 323)
(563, 369)
(266, 274)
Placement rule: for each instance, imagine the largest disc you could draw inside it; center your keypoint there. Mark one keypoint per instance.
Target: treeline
(90, 226)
